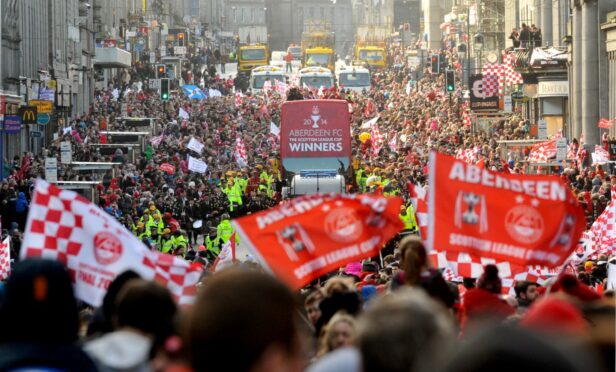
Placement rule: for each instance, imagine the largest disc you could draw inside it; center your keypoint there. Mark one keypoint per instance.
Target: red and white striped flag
(5, 258)
(64, 226)
(226, 257)
(377, 139)
(241, 157)
(600, 156)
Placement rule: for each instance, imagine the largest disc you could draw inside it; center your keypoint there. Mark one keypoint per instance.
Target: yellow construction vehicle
(252, 48)
(318, 43)
(371, 45)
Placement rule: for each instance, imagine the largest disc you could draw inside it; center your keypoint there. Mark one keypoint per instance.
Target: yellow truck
(318, 44)
(252, 48)
(371, 45)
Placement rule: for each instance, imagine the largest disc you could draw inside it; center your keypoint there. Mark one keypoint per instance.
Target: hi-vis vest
(167, 245)
(213, 245)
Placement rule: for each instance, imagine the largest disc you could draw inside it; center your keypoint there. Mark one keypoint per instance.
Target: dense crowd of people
(396, 315)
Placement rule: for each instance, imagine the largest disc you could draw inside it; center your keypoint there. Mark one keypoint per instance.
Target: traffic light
(435, 63)
(164, 89)
(450, 80)
(181, 39)
(161, 71)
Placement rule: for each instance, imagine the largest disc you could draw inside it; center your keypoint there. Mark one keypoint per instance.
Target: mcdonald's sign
(28, 114)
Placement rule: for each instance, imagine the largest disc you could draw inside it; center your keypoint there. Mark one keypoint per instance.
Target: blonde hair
(338, 284)
(325, 342)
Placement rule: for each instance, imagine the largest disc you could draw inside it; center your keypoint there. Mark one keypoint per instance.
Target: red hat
(167, 215)
(571, 286)
(555, 315)
(201, 248)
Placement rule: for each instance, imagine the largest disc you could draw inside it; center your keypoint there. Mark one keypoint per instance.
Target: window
(311, 12)
(322, 13)
(252, 15)
(243, 18)
(234, 15)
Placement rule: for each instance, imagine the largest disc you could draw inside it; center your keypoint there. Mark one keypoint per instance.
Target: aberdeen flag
(312, 235)
(525, 220)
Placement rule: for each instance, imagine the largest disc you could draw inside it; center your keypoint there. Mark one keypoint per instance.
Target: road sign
(152, 57)
(12, 124)
(154, 84)
(43, 119)
(508, 105)
(542, 129)
(42, 106)
(66, 152)
(51, 170)
(561, 149)
(163, 51)
(179, 50)
(35, 134)
(140, 45)
(28, 114)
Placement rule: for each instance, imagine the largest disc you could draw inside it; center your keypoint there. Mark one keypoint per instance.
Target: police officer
(180, 244)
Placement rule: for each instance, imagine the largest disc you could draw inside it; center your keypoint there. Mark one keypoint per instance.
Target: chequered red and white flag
(376, 139)
(491, 79)
(5, 258)
(238, 98)
(241, 157)
(64, 226)
(542, 152)
(512, 77)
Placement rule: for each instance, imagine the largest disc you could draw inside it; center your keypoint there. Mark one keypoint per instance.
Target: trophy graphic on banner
(316, 116)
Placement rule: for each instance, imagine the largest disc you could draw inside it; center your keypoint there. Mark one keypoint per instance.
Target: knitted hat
(554, 315)
(572, 286)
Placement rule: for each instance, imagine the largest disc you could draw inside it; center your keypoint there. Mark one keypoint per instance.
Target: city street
(432, 187)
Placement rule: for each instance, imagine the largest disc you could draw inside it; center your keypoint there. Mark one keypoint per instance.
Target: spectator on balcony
(524, 36)
(515, 38)
(535, 36)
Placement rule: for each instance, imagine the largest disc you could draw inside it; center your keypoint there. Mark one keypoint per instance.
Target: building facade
(609, 29)
(588, 68)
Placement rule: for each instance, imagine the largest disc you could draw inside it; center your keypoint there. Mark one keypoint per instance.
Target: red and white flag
(226, 257)
(459, 264)
(392, 141)
(64, 226)
(156, 141)
(238, 98)
(600, 156)
(605, 123)
(603, 230)
(5, 258)
(542, 152)
(241, 157)
(315, 234)
(524, 220)
(377, 139)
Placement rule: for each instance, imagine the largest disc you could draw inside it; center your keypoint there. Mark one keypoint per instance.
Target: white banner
(95, 247)
(66, 152)
(51, 170)
(370, 123)
(195, 145)
(196, 165)
(274, 129)
(183, 114)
